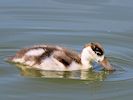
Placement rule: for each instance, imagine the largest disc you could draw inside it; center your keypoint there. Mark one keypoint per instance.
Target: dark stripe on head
(97, 48)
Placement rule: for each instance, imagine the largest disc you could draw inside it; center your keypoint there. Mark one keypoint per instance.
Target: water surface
(69, 23)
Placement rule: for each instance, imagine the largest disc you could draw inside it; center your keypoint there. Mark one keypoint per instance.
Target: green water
(69, 23)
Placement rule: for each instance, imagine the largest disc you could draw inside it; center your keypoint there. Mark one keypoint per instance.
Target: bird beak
(107, 66)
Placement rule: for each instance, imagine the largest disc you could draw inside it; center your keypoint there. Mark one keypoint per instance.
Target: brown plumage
(61, 54)
(48, 57)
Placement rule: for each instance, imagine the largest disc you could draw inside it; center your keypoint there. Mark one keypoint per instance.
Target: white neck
(86, 58)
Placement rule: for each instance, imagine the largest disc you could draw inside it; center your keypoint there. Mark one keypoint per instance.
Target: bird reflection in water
(81, 74)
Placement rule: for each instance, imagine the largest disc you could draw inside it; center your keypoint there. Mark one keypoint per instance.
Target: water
(69, 23)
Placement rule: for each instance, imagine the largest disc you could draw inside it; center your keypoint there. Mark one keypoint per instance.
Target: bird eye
(98, 53)
(96, 49)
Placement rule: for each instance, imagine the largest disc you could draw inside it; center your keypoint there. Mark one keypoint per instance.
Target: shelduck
(56, 58)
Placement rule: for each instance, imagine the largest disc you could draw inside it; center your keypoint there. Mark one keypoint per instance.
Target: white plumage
(47, 57)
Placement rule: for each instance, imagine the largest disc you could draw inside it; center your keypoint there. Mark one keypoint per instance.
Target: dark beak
(107, 66)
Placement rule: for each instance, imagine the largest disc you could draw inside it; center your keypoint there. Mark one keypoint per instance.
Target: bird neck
(86, 59)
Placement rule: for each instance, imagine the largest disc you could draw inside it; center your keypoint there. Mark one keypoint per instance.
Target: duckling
(56, 58)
